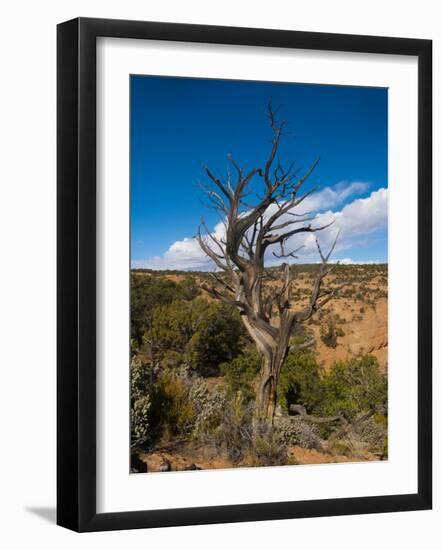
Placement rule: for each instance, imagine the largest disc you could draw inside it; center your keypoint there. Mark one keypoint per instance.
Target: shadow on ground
(46, 513)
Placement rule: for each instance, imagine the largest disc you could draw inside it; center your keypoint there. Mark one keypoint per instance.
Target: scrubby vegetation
(194, 373)
(147, 293)
(197, 333)
(330, 332)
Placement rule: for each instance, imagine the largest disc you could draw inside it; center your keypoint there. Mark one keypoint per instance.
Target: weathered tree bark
(266, 394)
(273, 358)
(239, 256)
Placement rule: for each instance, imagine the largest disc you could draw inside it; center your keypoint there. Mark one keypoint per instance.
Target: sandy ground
(200, 458)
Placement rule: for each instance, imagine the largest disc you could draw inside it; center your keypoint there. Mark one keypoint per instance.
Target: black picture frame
(76, 281)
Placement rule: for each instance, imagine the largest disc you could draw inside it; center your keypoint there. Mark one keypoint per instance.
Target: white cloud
(330, 197)
(355, 221)
(349, 261)
(183, 255)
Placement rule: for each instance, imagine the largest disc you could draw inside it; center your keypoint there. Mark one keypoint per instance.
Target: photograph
(259, 274)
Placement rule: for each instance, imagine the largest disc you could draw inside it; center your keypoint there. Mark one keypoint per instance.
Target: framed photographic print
(244, 274)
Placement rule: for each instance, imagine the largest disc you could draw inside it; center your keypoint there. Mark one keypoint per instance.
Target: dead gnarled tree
(251, 233)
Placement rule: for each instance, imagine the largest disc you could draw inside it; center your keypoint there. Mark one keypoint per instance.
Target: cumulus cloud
(330, 197)
(350, 261)
(355, 221)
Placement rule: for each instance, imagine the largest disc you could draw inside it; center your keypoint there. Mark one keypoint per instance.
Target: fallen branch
(300, 410)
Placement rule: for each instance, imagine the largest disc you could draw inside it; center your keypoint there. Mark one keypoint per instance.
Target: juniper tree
(253, 230)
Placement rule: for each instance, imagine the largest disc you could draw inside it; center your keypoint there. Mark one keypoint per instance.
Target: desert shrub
(223, 422)
(234, 432)
(186, 289)
(140, 413)
(296, 431)
(218, 339)
(267, 447)
(330, 333)
(176, 408)
(373, 433)
(141, 405)
(240, 372)
(344, 446)
(366, 437)
(351, 387)
(173, 360)
(210, 411)
(162, 403)
(300, 381)
(204, 333)
(148, 292)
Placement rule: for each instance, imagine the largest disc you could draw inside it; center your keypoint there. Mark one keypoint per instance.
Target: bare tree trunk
(266, 393)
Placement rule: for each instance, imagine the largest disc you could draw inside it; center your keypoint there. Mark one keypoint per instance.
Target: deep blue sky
(178, 125)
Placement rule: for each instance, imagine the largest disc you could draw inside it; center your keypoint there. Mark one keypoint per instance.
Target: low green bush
(239, 373)
(300, 382)
(173, 401)
(205, 334)
(330, 333)
(352, 387)
(149, 292)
